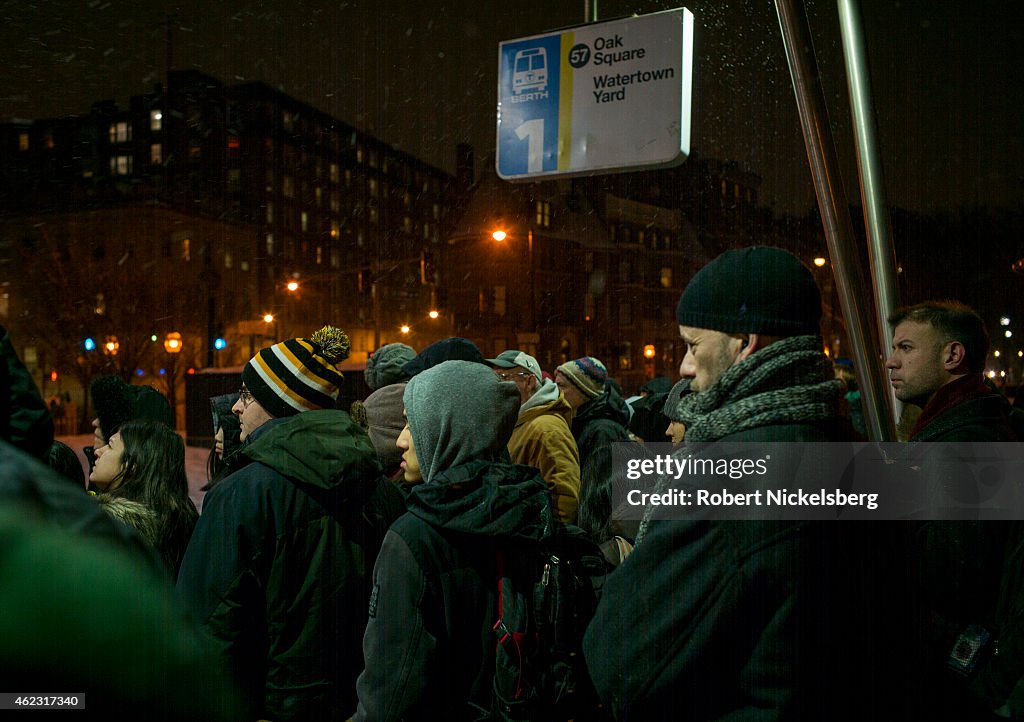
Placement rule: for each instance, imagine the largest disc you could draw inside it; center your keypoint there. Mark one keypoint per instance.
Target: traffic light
(88, 344)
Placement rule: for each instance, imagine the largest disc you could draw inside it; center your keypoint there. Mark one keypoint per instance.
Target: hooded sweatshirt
(429, 644)
(277, 571)
(542, 438)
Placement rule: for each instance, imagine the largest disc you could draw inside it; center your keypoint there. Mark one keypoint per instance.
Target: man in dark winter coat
(972, 571)
(25, 420)
(600, 415)
(740, 620)
(277, 571)
(939, 351)
(429, 644)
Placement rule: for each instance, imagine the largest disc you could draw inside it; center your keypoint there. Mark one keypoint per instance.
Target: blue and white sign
(599, 98)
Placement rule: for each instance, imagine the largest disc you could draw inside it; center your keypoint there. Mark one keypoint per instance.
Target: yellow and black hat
(298, 375)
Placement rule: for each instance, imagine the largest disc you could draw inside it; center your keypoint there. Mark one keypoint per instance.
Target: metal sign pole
(835, 216)
(872, 187)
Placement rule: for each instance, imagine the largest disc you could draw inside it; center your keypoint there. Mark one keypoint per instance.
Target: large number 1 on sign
(534, 129)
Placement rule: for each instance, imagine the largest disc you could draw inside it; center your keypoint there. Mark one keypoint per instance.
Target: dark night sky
(422, 76)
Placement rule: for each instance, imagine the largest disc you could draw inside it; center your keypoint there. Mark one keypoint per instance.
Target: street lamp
(500, 235)
(433, 314)
(173, 345)
(820, 262)
(268, 318)
(405, 329)
(293, 286)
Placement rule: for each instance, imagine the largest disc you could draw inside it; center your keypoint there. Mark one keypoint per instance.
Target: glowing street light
(1004, 321)
(405, 329)
(819, 261)
(293, 286)
(499, 235)
(172, 342)
(1008, 334)
(649, 351)
(433, 314)
(268, 318)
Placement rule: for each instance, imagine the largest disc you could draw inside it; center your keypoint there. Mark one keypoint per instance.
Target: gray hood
(459, 411)
(547, 393)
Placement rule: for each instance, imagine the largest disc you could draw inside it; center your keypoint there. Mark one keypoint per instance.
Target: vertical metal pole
(869, 167)
(533, 286)
(835, 216)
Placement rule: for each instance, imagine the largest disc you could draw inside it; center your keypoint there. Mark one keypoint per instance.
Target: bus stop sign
(599, 98)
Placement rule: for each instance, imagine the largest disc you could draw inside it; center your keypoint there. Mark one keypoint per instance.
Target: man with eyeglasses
(278, 568)
(542, 437)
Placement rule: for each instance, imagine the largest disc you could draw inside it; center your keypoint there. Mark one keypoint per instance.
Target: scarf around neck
(790, 381)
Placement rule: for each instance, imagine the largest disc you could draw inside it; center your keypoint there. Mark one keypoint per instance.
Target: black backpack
(547, 596)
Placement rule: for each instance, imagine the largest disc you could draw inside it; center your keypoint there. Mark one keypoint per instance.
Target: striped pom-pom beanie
(587, 374)
(298, 374)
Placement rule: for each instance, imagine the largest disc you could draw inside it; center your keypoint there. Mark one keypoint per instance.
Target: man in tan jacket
(543, 436)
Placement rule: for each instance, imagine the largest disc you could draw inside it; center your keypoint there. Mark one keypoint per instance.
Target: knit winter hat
(384, 421)
(447, 349)
(298, 374)
(587, 374)
(753, 290)
(385, 365)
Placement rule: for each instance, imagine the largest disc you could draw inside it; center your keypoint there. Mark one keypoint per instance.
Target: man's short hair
(954, 321)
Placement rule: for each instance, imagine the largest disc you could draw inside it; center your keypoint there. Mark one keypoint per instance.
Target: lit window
(666, 278)
(287, 121)
(319, 255)
(359, 154)
(120, 132)
(348, 178)
(543, 214)
(373, 214)
(49, 142)
(335, 229)
(270, 244)
(121, 164)
(23, 141)
(244, 265)
(270, 211)
(228, 260)
(156, 154)
(437, 212)
(407, 224)
(156, 120)
(288, 186)
(305, 221)
(186, 249)
(334, 172)
(318, 193)
(640, 237)
(373, 187)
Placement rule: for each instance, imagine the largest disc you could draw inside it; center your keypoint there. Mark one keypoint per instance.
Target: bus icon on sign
(530, 70)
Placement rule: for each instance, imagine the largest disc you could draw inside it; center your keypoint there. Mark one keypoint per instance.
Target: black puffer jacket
(600, 421)
(277, 571)
(434, 596)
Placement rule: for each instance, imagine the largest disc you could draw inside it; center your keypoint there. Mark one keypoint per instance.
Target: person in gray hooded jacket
(429, 646)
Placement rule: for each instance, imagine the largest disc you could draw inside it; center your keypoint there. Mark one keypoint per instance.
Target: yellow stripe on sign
(565, 105)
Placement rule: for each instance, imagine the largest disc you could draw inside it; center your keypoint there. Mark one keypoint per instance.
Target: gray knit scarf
(790, 381)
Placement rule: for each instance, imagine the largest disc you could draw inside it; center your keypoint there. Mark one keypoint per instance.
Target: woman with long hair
(144, 462)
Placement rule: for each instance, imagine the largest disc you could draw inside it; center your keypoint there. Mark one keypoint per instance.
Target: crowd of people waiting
(342, 565)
